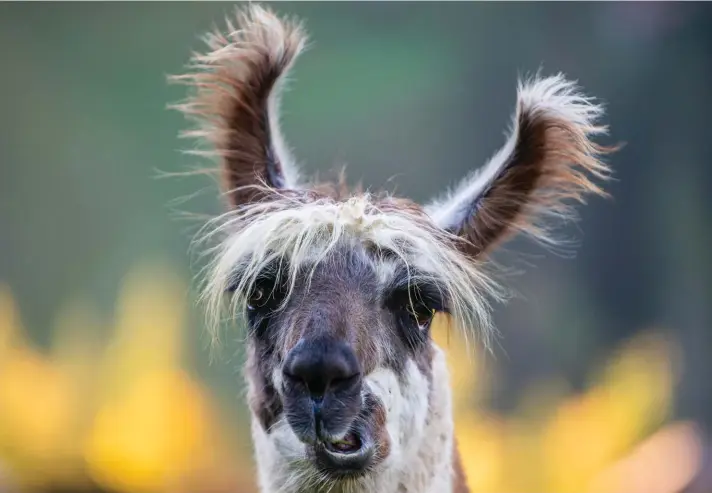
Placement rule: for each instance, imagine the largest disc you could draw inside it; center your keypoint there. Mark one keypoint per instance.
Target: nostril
(345, 382)
(322, 366)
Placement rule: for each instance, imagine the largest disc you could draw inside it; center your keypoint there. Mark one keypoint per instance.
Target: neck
(430, 464)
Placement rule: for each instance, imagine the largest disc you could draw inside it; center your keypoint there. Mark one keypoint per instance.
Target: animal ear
(236, 98)
(547, 162)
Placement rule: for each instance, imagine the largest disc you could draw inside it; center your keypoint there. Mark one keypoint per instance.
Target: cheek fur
(281, 455)
(405, 399)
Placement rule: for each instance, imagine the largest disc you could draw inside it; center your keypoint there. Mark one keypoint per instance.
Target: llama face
(338, 297)
(337, 360)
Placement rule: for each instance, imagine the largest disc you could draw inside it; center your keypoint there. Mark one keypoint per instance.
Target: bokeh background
(602, 379)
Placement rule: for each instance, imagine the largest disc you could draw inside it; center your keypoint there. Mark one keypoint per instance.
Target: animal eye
(421, 314)
(257, 299)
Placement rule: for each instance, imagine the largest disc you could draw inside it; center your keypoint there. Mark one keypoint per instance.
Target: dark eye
(256, 299)
(421, 314)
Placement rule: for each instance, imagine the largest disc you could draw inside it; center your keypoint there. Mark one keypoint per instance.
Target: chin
(352, 452)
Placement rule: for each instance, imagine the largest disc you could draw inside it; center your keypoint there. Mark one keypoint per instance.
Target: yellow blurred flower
(467, 371)
(153, 438)
(665, 462)
(155, 426)
(556, 442)
(127, 416)
(590, 431)
(482, 446)
(37, 405)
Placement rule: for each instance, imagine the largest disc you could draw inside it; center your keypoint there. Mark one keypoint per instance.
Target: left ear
(237, 87)
(547, 161)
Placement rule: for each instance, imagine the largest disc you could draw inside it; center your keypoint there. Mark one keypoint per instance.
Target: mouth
(350, 444)
(349, 455)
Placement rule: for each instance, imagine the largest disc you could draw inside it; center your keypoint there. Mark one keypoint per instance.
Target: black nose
(322, 365)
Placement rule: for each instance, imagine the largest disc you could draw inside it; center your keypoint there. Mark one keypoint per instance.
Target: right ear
(548, 162)
(236, 102)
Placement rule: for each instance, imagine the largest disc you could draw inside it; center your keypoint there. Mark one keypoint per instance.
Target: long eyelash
(426, 294)
(270, 275)
(432, 297)
(416, 287)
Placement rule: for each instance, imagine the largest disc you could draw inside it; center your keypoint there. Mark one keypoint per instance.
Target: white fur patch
(282, 459)
(406, 407)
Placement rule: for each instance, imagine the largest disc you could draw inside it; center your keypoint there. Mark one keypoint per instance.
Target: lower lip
(332, 461)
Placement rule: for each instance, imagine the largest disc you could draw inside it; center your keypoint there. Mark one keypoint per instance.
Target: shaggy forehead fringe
(254, 237)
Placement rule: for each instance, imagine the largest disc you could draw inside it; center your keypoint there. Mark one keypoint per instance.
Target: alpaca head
(337, 288)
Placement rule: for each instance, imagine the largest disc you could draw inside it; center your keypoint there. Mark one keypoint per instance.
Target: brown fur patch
(263, 399)
(236, 85)
(378, 421)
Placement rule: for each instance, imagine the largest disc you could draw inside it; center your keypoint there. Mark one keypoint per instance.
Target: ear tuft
(236, 98)
(548, 162)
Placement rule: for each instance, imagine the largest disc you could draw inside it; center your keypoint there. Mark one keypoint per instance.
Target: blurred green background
(603, 376)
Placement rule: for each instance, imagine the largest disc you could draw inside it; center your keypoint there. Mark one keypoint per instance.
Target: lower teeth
(348, 444)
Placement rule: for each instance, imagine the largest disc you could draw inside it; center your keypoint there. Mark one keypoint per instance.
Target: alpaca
(338, 288)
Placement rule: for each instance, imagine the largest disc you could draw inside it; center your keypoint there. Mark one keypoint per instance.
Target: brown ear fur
(550, 167)
(235, 101)
(548, 162)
